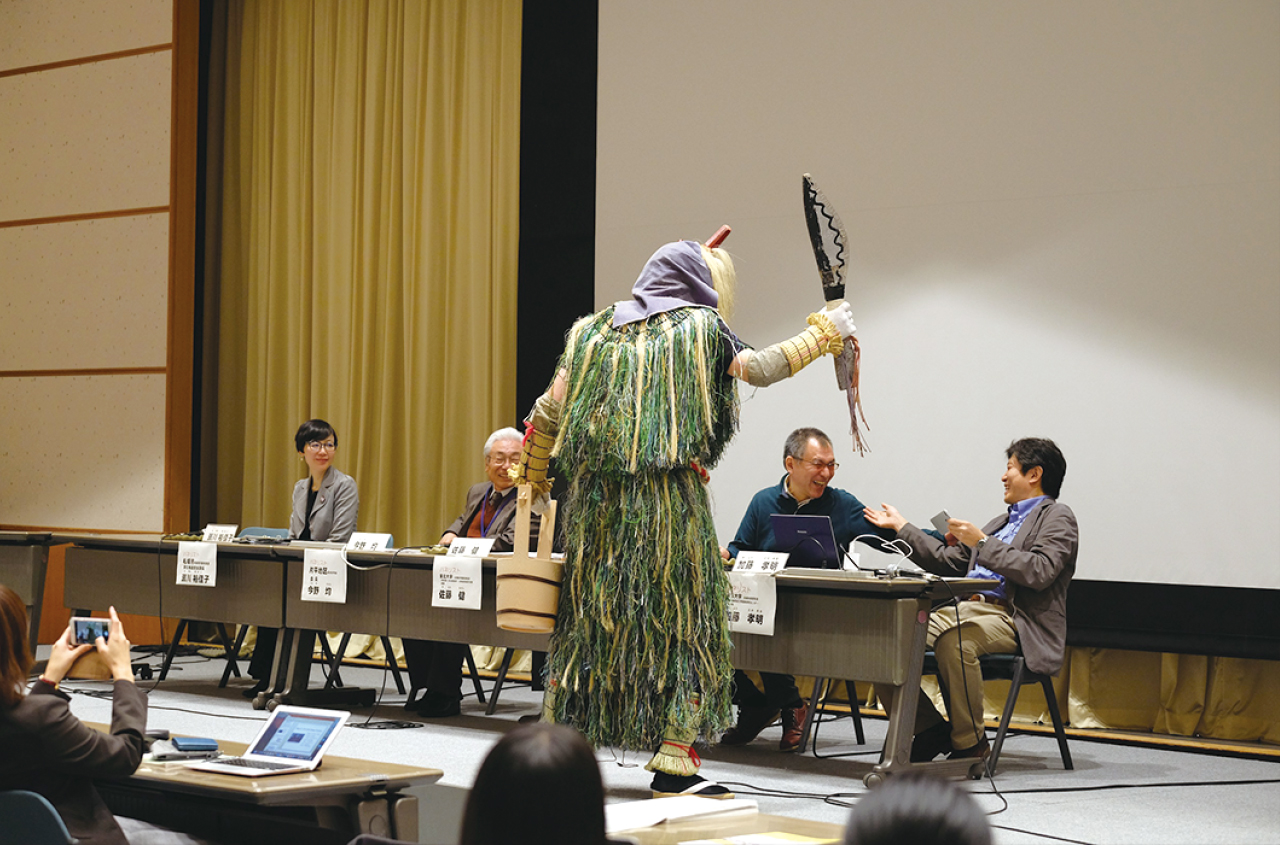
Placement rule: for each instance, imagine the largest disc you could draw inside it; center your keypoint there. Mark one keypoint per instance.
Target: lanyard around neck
(485, 526)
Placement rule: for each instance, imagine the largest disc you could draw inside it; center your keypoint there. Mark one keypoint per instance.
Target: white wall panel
(83, 452)
(1065, 221)
(38, 32)
(86, 138)
(85, 294)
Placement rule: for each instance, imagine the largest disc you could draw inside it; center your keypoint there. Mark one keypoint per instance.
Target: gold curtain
(1176, 694)
(369, 252)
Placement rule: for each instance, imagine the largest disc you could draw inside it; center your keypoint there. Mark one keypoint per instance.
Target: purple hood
(674, 277)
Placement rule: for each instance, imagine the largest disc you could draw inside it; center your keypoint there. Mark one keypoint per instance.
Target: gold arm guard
(783, 360)
(822, 337)
(535, 459)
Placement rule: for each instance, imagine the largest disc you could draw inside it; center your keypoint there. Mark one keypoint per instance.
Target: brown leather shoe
(792, 727)
(979, 751)
(931, 742)
(751, 721)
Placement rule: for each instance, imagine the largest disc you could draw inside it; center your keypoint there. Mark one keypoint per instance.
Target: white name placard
(766, 562)
(197, 564)
(324, 575)
(752, 602)
(362, 542)
(219, 533)
(470, 546)
(455, 582)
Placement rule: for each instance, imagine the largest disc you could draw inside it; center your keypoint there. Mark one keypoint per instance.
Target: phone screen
(87, 630)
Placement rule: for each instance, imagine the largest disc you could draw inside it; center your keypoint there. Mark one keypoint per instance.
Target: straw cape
(642, 636)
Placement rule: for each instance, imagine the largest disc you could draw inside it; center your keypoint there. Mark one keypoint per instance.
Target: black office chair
(334, 660)
(817, 707)
(476, 685)
(29, 819)
(1012, 668)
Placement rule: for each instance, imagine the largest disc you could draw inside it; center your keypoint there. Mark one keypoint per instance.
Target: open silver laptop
(294, 739)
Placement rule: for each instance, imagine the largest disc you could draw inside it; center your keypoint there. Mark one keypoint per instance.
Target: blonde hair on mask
(723, 279)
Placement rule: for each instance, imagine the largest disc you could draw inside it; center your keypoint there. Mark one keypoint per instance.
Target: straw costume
(643, 401)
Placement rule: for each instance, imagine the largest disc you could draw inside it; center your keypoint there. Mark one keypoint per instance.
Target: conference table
(24, 558)
(341, 799)
(828, 624)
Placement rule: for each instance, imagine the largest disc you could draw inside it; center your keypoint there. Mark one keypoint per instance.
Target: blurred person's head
(15, 652)
(917, 810)
(540, 785)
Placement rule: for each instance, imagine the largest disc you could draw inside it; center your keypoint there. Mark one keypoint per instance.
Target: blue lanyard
(484, 526)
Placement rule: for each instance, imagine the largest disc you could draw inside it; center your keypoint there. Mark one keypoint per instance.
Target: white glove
(842, 316)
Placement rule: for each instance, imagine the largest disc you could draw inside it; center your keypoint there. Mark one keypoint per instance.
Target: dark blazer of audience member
(325, 503)
(540, 785)
(915, 809)
(44, 748)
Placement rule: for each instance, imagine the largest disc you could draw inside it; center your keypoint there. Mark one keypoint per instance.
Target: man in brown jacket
(1031, 550)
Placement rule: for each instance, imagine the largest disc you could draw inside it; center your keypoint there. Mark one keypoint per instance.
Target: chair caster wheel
(977, 770)
(872, 780)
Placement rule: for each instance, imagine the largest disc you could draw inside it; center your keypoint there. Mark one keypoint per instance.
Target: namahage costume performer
(642, 401)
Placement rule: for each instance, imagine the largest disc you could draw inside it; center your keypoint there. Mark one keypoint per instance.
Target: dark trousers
(264, 652)
(435, 666)
(780, 691)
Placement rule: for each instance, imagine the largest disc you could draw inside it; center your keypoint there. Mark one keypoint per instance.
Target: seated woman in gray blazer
(325, 505)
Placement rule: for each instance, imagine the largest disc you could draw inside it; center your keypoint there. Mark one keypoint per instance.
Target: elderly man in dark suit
(1031, 550)
(489, 512)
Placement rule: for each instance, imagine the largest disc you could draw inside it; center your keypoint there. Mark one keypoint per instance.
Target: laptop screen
(296, 736)
(807, 538)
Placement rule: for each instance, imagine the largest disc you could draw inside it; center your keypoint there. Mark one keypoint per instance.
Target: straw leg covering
(641, 636)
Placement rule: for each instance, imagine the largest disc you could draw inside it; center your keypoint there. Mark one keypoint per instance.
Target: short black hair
(798, 441)
(1033, 452)
(914, 809)
(540, 784)
(314, 430)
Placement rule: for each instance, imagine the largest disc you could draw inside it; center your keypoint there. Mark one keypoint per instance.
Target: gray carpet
(1116, 794)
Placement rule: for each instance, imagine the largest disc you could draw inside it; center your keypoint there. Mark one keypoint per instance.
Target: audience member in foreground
(917, 810)
(44, 748)
(540, 785)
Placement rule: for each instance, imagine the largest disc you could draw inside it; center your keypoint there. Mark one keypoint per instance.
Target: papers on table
(629, 815)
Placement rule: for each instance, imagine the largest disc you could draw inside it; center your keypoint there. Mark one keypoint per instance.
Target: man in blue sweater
(810, 463)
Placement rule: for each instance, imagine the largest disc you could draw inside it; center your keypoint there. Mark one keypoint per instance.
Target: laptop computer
(294, 739)
(807, 538)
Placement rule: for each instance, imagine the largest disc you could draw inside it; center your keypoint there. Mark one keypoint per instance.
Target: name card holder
(214, 533)
(324, 575)
(197, 564)
(753, 602)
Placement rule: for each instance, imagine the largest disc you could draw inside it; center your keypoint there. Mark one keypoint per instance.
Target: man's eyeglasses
(316, 446)
(820, 466)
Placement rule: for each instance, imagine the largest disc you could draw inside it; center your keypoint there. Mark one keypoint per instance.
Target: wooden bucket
(529, 585)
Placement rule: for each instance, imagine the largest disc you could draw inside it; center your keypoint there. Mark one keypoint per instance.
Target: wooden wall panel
(38, 32)
(85, 293)
(86, 138)
(83, 452)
